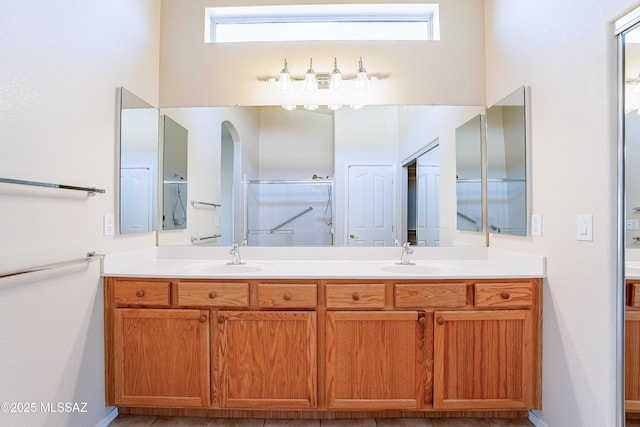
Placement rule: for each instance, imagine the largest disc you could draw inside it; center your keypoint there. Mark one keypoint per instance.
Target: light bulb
(311, 107)
(336, 77)
(362, 80)
(284, 82)
(289, 107)
(310, 82)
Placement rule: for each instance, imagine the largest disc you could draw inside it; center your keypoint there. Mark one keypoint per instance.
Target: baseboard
(111, 415)
(533, 417)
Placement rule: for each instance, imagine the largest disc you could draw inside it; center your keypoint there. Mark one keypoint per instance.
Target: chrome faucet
(406, 251)
(235, 254)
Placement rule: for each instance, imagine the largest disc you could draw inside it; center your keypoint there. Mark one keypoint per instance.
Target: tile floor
(148, 421)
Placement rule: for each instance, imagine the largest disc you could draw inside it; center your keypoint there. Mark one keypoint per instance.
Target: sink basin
(227, 268)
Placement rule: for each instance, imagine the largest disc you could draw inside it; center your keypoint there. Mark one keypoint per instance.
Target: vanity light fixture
(312, 83)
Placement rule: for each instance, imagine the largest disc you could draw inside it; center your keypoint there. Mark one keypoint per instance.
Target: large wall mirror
(321, 177)
(630, 212)
(138, 155)
(506, 133)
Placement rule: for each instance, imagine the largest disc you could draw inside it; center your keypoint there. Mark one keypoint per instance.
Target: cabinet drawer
(213, 294)
(507, 295)
(136, 292)
(355, 296)
(292, 295)
(430, 295)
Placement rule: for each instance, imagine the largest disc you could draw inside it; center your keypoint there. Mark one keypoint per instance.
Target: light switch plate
(536, 225)
(109, 225)
(584, 227)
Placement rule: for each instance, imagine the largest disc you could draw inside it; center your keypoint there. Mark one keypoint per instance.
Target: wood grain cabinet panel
(140, 292)
(504, 295)
(355, 296)
(483, 360)
(162, 357)
(267, 359)
(434, 295)
(634, 295)
(374, 360)
(213, 294)
(632, 361)
(294, 295)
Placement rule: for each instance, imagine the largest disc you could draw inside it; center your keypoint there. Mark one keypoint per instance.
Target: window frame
(322, 14)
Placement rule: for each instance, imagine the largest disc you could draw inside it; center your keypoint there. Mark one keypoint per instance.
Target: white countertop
(323, 263)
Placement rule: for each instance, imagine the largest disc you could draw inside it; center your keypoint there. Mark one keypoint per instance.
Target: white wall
(446, 72)
(62, 62)
(566, 53)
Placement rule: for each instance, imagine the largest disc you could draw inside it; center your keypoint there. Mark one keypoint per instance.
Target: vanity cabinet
(323, 346)
(161, 357)
(267, 359)
(483, 359)
(375, 359)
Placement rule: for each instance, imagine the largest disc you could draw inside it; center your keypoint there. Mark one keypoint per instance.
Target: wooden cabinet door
(483, 360)
(267, 359)
(632, 361)
(161, 357)
(374, 360)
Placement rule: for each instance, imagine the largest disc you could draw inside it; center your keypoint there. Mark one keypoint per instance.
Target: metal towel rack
(198, 239)
(91, 190)
(91, 256)
(195, 202)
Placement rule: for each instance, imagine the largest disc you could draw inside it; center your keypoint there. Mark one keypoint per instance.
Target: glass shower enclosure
(289, 212)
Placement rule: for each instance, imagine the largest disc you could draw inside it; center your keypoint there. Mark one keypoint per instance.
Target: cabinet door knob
(355, 296)
(203, 319)
(221, 320)
(212, 295)
(422, 320)
(440, 321)
(287, 296)
(352, 236)
(505, 295)
(139, 293)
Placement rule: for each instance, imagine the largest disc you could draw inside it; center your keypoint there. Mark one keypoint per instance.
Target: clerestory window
(322, 23)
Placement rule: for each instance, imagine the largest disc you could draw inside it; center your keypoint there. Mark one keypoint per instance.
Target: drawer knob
(203, 319)
(355, 296)
(505, 295)
(440, 321)
(221, 320)
(139, 293)
(287, 296)
(212, 295)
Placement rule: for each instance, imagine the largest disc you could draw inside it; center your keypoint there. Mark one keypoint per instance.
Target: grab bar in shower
(91, 256)
(195, 202)
(290, 219)
(91, 190)
(198, 239)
